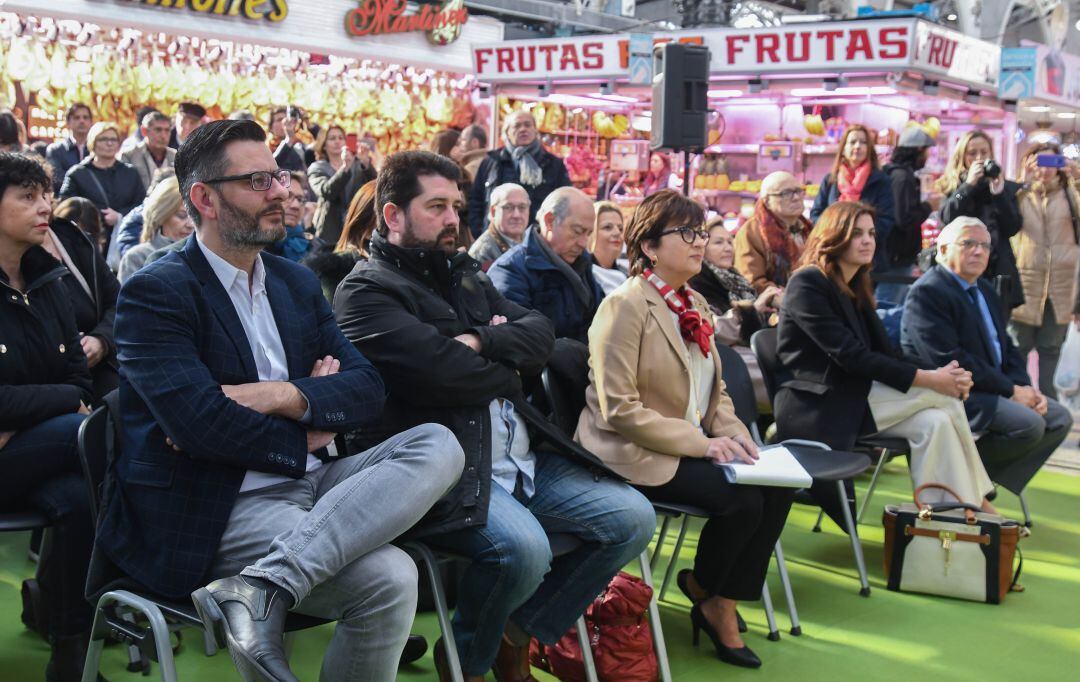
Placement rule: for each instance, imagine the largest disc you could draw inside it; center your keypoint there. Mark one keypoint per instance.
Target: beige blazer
(639, 388)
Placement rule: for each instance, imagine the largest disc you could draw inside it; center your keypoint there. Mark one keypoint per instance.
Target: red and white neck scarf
(691, 324)
(852, 181)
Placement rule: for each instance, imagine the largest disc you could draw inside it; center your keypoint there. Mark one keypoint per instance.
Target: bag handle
(930, 509)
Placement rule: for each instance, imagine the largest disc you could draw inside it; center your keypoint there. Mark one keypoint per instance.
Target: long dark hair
(871, 152)
(360, 220)
(830, 239)
(85, 214)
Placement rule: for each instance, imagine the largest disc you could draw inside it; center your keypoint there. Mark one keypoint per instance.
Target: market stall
(781, 96)
(395, 77)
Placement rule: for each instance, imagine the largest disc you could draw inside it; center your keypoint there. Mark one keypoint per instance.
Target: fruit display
(401, 107)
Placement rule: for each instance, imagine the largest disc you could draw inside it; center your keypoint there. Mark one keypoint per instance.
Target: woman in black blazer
(841, 378)
(44, 392)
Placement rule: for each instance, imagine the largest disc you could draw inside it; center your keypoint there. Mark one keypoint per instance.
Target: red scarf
(851, 182)
(780, 240)
(691, 324)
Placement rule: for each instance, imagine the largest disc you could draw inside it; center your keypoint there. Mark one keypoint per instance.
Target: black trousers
(41, 470)
(744, 524)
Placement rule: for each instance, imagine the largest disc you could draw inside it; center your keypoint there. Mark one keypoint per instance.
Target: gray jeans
(324, 538)
(1047, 338)
(1020, 440)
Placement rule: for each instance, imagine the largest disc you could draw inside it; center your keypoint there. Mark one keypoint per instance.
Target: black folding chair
(832, 465)
(119, 597)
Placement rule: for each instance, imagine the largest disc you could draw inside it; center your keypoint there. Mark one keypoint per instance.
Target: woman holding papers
(841, 378)
(656, 412)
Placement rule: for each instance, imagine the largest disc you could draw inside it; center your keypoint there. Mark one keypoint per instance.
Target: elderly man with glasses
(236, 380)
(953, 313)
(509, 218)
(768, 245)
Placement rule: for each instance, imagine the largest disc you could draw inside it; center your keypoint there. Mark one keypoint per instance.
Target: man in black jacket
(523, 160)
(953, 313)
(454, 352)
(905, 238)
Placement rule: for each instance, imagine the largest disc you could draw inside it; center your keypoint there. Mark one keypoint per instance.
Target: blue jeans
(511, 574)
(893, 292)
(42, 471)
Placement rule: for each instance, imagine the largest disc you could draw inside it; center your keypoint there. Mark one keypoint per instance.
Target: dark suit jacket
(180, 340)
(61, 156)
(831, 353)
(941, 324)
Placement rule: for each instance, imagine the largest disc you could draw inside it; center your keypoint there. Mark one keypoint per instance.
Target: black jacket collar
(430, 266)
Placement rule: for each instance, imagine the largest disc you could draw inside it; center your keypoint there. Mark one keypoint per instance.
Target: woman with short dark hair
(656, 412)
(44, 393)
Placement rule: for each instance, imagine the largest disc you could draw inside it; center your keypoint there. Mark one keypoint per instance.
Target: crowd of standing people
(320, 351)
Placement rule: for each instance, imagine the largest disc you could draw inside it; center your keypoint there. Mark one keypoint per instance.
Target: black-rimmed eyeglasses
(688, 233)
(260, 180)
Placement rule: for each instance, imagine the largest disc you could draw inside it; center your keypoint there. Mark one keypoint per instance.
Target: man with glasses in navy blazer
(953, 313)
(235, 381)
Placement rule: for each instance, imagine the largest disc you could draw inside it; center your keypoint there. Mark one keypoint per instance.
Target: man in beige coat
(153, 152)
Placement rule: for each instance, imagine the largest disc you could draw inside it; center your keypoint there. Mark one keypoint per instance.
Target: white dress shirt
(510, 453)
(253, 308)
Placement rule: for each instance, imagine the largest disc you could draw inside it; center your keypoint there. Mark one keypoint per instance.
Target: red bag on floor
(619, 635)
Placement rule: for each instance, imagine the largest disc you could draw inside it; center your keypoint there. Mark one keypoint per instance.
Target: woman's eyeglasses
(260, 180)
(689, 233)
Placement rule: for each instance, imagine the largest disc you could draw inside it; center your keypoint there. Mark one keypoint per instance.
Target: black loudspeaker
(680, 97)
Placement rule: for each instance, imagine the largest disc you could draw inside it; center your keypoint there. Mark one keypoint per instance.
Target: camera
(992, 169)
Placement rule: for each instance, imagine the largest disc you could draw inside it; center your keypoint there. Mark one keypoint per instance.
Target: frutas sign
(891, 44)
(270, 10)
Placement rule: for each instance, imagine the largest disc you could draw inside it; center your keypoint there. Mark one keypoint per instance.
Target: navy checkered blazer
(179, 340)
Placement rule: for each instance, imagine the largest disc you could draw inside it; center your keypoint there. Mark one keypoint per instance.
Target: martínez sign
(377, 17)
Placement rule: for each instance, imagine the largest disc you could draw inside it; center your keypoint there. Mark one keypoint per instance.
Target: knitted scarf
(785, 243)
(735, 284)
(851, 182)
(529, 172)
(691, 324)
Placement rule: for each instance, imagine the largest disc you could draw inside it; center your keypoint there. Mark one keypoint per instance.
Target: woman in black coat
(44, 392)
(969, 191)
(114, 186)
(92, 289)
(842, 380)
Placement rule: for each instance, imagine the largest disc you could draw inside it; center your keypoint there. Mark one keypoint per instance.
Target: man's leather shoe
(512, 663)
(250, 620)
(415, 648)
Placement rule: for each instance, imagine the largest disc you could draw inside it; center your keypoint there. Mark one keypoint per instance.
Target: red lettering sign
(896, 40)
(377, 17)
(942, 51)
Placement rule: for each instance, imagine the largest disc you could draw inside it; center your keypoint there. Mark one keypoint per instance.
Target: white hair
(558, 205)
(500, 192)
(951, 232)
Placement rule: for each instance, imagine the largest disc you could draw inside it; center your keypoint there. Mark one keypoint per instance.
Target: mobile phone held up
(351, 141)
(1050, 161)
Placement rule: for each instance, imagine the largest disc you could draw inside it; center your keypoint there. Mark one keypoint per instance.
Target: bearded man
(236, 380)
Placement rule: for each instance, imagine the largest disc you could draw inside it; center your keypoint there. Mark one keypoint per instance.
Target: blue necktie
(973, 294)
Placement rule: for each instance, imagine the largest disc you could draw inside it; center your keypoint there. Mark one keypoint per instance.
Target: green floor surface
(888, 636)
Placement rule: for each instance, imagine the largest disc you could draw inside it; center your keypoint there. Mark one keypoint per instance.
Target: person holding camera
(1047, 250)
(973, 186)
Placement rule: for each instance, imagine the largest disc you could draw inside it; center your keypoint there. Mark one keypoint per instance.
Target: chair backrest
(763, 343)
(96, 439)
(740, 387)
(564, 381)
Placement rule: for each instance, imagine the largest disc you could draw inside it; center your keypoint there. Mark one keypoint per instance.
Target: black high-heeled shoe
(682, 580)
(742, 657)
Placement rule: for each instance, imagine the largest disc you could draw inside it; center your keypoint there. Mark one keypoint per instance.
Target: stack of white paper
(776, 466)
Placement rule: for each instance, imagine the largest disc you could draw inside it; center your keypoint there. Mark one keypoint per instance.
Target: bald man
(551, 270)
(768, 245)
(522, 160)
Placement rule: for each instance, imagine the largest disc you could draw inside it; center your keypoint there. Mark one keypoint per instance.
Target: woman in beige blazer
(656, 412)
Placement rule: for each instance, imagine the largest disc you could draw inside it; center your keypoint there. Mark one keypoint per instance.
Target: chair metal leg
(432, 565)
(770, 615)
(654, 622)
(789, 596)
(158, 626)
(817, 524)
(873, 484)
(209, 645)
(853, 534)
(586, 650)
(660, 542)
(1024, 508)
(674, 556)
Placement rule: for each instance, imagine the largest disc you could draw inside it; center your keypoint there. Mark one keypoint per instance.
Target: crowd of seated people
(289, 408)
